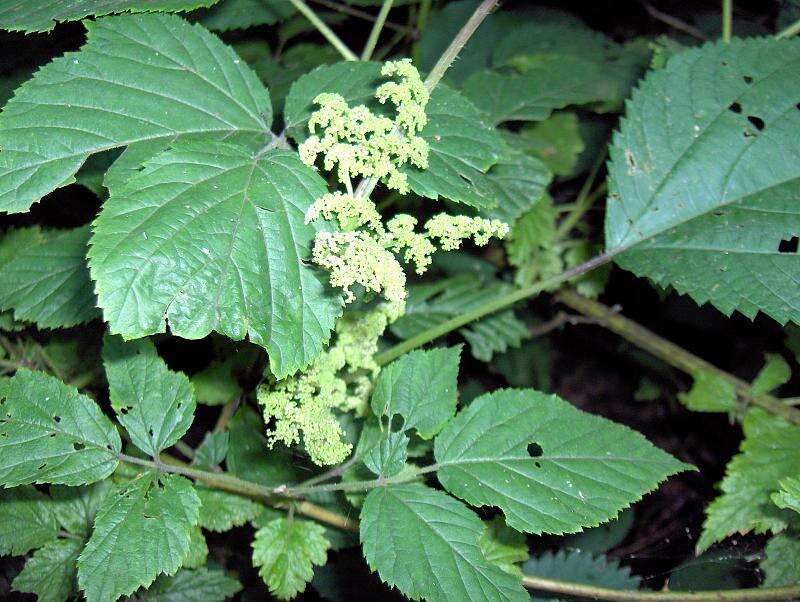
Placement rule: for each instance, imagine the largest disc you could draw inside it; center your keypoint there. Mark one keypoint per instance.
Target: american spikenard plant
(315, 290)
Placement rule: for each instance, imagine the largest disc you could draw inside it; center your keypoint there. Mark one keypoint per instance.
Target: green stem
(360, 14)
(606, 593)
(790, 31)
(377, 27)
(422, 16)
(490, 307)
(326, 31)
(727, 20)
(675, 356)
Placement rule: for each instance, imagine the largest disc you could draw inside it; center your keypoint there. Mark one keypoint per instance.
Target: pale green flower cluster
(339, 379)
(357, 143)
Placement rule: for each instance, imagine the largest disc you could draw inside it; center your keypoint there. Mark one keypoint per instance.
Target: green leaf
(111, 94)
(603, 538)
(503, 546)
(51, 573)
(581, 567)
(44, 278)
(709, 393)
(781, 563)
(530, 245)
(198, 549)
(75, 508)
(420, 386)
(520, 182)
(221, 511)
(550, 467)
(218, 383)
(26, 520)
(142, 529)
(495, 334)
(462, 148)
(388, 455)
(50, 433)
(212, 451)
(285, 552)
(701, 188)
(556, 141)
(206, 237)
(241, 14)
(198, 585)
(43, 15)
(789, 495)
(153, 403)
(774, 373)
(769, 452)
(426, 544)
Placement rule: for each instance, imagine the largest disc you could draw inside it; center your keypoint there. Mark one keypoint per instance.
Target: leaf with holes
(206, 237)
(153, 403)
(50, 433)
(111, 94)
(702, 185)
(550, 467)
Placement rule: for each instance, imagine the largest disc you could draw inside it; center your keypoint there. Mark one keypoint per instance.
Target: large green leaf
(26, 520)
(703, 184)
(138, 79)
(241, 14)
(42, 15)
(770, 452)
(550, 467)
(426, 544)
(142, 529)
(221, 511)
(207, 237)
(76, 507)
(50, 573)
(50, 433)
(199, 585)
(153, 403)
(44, 278)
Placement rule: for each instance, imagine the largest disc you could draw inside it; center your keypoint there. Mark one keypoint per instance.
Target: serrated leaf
(531, 244)
(221, 511)
(44, 278)
(495, 334)
(425, 543)
(581, 567)
(769, 452)
(198, 549)
(142, 529)
(50, 433)
(43, 15)
(520, 182)
(212, 451)
(51, 573)
(421, 387)
(709, 393)
(388, 456)
(76, 507)
(153, 403)
(503, 546)
(789, 495)
(781, 563)
(26, 520)
(111, 94)
(774, 373)
(550, 467)
(556, 141)
(607, 536)
(209, 238)
(286, 552)
(241, 14)
(198, 585)
(701, 190)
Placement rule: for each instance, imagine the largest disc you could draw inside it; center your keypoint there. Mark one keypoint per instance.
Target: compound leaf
(550, 467)
(193, 585)
(142, 529)
(207, 237)
(702, 187)
(138, 78)
(50, 433)
(426, 544)
(50, 573)
(26, 520)
(286, 551)
(153, 403)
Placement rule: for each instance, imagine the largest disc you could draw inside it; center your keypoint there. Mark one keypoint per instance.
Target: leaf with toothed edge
(550, 467)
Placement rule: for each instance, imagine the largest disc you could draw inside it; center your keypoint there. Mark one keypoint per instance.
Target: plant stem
(360, 14)
(490, 307)
(671, 353)
(227, 412)
(727, 20)
(790, 31)
(606, 593)
(583, 201)
(372, 41)
(674, 22)
(326, 31)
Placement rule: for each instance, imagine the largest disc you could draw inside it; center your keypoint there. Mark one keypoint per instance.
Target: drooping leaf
(421, 387)
(153, 403)
(50, 433)
(206, 238)
(51, 573)
(503, 546)
(142, 529)
(75, 508)
(111, 94)
(426, 544)
(789, 495)
(701, 188)
(26, 520)
(781, 563)
(43, 15)
(286, 551)
(212, 450)
(495, 334)
(221, 511)
(197, 585)
(709, 393)
(241, 14)
(44, 277)
(769, 452)
(550, 467)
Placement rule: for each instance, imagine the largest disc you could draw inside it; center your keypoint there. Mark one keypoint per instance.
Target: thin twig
(375, 33)
(362, 14)
(674, 22)
(323, 28)
(727, 20)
